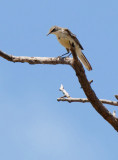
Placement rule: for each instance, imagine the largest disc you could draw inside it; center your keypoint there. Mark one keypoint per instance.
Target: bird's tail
(83, 59)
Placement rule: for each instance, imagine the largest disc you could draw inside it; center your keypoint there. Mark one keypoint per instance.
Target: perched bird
(68, 39)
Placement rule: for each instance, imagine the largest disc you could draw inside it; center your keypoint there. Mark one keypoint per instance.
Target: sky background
(33, 125)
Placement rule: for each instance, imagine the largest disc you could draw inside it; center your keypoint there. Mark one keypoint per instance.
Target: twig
(91, 81)
(64, 91)
(84, 100)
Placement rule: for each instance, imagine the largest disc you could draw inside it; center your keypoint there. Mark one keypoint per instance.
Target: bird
(67, 39)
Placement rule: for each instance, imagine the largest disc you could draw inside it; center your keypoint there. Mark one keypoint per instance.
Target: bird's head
(54, 30)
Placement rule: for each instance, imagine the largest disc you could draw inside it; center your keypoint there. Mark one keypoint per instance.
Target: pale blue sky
(33, 125)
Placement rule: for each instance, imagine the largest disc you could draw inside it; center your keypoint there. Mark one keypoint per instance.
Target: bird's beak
(47, 34)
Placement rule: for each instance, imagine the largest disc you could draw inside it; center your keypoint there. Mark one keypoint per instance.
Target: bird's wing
(74, 37)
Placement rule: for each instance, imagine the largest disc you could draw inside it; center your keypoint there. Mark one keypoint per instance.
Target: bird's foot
(63, 55)
(69, 55)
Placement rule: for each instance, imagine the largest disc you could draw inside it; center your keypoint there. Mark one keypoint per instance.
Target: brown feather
(74, 37)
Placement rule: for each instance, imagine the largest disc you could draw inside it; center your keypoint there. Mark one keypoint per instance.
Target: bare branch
(69, 99)
(36, 60)
(64, 91)
(91, 96)
(84, 100)
(80, 73)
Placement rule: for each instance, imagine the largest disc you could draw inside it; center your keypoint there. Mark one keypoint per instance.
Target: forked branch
(69, 99)
(80, 73)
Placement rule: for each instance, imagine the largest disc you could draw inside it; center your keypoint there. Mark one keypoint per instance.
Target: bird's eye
(54, 30)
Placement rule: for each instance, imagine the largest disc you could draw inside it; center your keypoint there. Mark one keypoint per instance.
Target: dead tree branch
(93, 99)
(36, 60)
(80, 73)
(64, 92)
(69, 99)
(84, 100)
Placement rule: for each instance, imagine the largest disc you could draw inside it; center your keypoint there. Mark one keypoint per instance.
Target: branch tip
(64, 91)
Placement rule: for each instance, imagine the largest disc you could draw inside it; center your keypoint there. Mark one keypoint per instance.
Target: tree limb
(84, 100)
(93, 99)
(69, 99)
(36, 60)
(80, 73)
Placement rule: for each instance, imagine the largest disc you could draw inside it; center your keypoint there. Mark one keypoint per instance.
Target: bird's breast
(64, 42)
